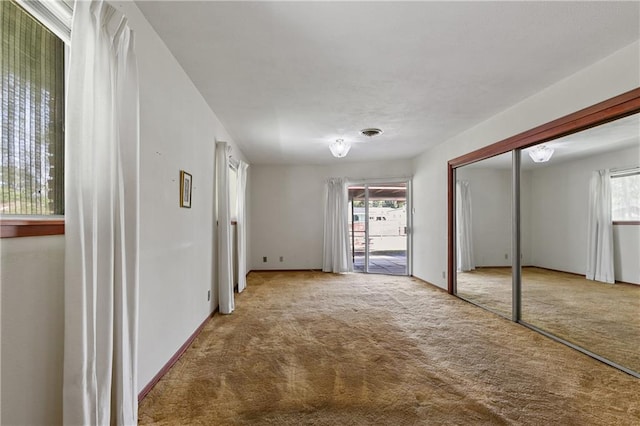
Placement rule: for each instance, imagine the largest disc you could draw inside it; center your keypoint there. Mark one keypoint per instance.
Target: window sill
(626, 222)
(13, 228)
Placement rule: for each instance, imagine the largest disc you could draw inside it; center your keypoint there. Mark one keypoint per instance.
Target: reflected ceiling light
(339, 148)
(540, 153)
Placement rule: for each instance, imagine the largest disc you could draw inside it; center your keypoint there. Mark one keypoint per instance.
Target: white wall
(287, 209)
(490, 191)
(626, 248)
(32, 276)
(491, 200)
(177, 131)
(587, 87)
(560, 197)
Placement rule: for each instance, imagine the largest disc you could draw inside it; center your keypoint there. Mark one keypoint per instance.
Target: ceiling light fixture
(371, 132)
(339, 148)
(541, 153)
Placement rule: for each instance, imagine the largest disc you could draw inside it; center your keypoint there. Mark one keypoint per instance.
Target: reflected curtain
(101, 220)
(600, 229)
(337, 257)
(464, 235)
(225, 258)
(241, 226)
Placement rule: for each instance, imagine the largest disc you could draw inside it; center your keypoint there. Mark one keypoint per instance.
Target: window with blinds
(32, 66)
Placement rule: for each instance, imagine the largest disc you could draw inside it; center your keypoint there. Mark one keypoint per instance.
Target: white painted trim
(369, 181)
(623, 172)
(53, 14)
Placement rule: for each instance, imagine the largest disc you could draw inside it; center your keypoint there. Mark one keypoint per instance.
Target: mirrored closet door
(545, 230)
(483, 232)
(581, 240)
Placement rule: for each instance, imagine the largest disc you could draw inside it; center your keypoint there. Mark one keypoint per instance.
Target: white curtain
(600, 229)
(337, 256)
(225, 258)
(101, 220)
(241, 226)
(464, 242)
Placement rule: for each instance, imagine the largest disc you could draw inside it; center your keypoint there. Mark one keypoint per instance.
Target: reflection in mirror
(581, 274)
(483, 233)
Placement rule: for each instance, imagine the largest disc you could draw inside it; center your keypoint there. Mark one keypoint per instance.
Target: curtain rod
(625, 170)
(380, 180)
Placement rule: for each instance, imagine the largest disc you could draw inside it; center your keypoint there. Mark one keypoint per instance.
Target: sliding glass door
(378, 227)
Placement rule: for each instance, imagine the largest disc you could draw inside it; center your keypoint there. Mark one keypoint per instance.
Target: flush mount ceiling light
(339, 148)
(540, 153)
(371, 132)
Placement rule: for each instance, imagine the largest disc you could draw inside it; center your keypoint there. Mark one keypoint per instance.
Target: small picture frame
(185, 189)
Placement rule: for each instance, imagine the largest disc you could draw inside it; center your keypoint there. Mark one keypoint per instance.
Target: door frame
(409, 219)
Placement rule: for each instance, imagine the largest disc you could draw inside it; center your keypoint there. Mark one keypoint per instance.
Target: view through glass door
(378, 228)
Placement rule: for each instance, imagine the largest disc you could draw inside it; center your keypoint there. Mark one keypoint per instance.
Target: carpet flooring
(308, 348)
(603, 318)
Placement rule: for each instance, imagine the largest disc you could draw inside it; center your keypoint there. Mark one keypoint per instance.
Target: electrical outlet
(281, 258)
(443, 275)
(208, 295)
(264, 259)
(506, 256)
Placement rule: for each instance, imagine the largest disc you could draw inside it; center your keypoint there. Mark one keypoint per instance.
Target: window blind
(32, 66)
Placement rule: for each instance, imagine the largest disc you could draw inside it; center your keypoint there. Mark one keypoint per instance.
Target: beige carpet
(602, 318)
(488, 287)
(321, 349)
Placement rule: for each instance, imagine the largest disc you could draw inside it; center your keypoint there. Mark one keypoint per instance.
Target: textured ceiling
(287, 78)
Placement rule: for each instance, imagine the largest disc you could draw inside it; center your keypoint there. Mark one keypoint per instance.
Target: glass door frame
(409, 219)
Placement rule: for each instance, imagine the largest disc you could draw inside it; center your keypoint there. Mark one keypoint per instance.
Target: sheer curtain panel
(600, 229)
(101, 235)
(225, 259)
(337, 256)
(464, 243)
(241, 226)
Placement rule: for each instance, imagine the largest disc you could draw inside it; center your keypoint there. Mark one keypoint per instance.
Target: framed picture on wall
(185, 189)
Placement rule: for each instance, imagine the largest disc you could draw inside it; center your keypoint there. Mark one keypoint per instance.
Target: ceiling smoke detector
(371, 132)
